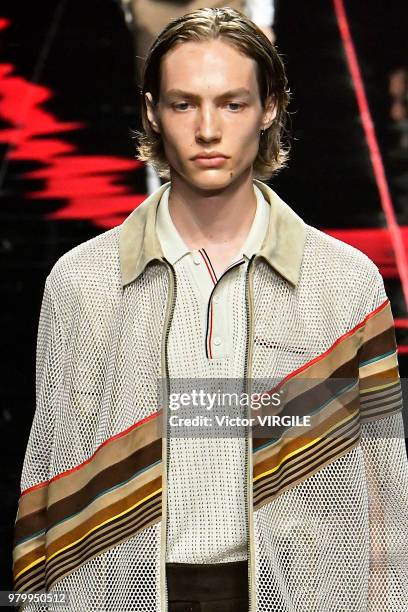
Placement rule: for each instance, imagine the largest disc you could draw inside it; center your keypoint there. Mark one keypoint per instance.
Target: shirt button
(216, 299)
(197, 261)
(217, 341)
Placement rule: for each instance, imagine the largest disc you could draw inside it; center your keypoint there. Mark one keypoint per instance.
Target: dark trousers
(218, 587)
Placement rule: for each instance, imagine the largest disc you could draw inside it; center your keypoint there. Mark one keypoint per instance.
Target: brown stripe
(267, 497)
(68, 561)
(380, 344)
(28, 558)
(305, 403)
(341, 412)
(319, 449)
(103, 515)
(29, 525)
(260, 498)
(378, 379)
(32, 580)
(110, 452)
(109, 477)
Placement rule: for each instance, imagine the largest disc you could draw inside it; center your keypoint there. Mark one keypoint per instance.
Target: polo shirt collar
(282, 247)
(174, 247)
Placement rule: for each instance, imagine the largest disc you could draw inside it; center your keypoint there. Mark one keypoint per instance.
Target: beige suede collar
(282, 247)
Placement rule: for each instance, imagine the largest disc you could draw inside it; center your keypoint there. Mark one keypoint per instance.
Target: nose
(209, 125)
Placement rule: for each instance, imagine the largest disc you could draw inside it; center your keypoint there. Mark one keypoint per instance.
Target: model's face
(209, 101)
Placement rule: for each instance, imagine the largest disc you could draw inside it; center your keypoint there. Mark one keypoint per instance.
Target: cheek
(246, 144)
(177, 137)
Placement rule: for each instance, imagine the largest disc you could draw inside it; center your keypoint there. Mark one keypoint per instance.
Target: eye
(236, 104)
(177, 106)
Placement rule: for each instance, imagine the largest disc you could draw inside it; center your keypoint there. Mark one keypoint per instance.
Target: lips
(210, 155)
(210, 162)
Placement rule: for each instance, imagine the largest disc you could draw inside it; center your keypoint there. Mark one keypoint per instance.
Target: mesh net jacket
(327, 521)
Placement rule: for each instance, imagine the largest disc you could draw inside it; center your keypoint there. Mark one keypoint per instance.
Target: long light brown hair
(236, 29)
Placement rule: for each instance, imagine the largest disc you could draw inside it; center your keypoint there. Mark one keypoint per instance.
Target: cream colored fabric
(336, 541)
(202, 282)
(207, 472)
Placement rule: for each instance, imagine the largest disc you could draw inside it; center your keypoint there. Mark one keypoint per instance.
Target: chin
(211, 179)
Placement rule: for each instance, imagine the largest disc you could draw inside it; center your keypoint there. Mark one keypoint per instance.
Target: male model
(214, 277)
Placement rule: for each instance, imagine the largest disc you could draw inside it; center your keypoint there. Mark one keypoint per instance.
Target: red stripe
(331, 348)
(214, 280)
(210, 333)
(81, 465)
(374, 149)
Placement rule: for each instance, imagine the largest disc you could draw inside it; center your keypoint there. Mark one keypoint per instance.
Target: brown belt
(212, 587)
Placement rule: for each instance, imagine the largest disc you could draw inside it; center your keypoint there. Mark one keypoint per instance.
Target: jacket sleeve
(385, 457)
(29, 552)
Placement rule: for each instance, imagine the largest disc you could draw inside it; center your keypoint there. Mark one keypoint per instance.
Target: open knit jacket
(327, 512)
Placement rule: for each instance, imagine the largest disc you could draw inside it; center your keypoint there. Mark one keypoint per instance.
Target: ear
(151, 112)
(270, 112)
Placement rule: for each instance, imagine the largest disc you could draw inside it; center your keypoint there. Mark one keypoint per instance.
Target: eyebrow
(227, 94)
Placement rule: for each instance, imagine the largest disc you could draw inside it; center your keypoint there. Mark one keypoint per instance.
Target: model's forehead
(207, 64)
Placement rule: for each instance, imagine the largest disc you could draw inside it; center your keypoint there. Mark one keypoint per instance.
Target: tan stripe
(295, 437)
(379, 379)
(378, 323)
(29, 557)
(33, 501)
(293, 464)
(105, 501)
(107, 455)
(104, 538)
(386, 363)
(64, 569)
(25, 548)
(346, 448)
(105, 514)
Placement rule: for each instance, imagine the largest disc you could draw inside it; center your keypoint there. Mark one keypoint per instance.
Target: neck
(217, 220)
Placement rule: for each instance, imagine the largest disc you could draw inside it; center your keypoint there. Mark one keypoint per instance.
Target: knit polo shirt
(207, 519)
